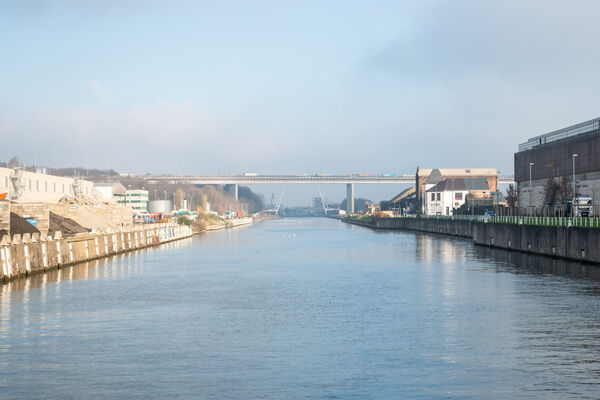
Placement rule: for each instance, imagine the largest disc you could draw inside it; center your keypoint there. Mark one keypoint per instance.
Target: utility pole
(530, 187)
(574, 185)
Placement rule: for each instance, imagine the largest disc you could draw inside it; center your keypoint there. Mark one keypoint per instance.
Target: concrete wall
(581, 244)
(30, 254)
(5, 216)
(433, 225)
(96, 216)
(559, 241)
(40, 211)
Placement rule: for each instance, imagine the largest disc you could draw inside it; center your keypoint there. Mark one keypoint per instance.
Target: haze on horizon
(292, 87)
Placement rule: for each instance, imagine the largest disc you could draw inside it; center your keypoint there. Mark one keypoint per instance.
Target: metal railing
(519, 220)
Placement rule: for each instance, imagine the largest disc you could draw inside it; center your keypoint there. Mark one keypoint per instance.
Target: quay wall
(463, 228)
(21, 256)
(573, 243)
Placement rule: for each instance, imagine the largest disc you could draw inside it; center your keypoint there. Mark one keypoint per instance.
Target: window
(37, 186)
(30, 184)
(432, 196)
(54, 187)
(439, 196)
(45, 186)
(63, 188)
(458, 196)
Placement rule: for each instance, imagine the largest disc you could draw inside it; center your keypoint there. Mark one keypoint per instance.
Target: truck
(581, 206)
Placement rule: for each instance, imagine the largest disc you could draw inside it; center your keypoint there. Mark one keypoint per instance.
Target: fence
(540, 221)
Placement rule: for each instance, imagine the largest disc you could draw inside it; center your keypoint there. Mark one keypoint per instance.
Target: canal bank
(28, 254)
(563, 241)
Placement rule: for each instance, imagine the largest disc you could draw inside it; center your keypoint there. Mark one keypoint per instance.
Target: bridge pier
(350, 198)
(235, 191)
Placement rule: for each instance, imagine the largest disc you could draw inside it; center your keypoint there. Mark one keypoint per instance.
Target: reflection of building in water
(538, 264)
(431, 247)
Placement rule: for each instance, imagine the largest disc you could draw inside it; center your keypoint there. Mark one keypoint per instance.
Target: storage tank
(160, 206)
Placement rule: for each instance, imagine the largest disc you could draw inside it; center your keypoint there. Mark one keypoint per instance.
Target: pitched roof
(403, 194)
(434, 177)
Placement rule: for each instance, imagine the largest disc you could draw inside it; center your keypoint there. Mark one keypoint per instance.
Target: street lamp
(530, 188)
(574, 187)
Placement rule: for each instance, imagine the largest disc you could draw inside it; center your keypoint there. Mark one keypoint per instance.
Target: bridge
(253, 179)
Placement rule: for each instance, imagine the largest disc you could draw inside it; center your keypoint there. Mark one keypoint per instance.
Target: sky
(292, 87)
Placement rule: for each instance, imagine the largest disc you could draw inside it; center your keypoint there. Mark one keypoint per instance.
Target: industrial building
(31, 186)
(570, 157)
(136, 199)
(110, 191)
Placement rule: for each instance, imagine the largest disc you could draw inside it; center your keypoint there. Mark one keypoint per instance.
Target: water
(305, 309)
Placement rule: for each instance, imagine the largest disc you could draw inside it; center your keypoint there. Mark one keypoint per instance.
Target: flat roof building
(30, 186)
(558, 155)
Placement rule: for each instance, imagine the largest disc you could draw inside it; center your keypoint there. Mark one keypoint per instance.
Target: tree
(551, 191)
(511, 196)
(565, 189)
(14, 162)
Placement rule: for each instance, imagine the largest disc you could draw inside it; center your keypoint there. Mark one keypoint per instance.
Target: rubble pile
(65, 225)
(83, 201)
(18, 225)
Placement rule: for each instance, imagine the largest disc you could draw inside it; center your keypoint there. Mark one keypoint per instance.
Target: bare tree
(551, 190)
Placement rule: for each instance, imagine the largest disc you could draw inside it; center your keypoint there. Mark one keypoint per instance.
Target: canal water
(305, 309)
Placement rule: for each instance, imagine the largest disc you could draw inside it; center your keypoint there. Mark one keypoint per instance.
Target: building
(558, 156)
(427, 178)
(136, 199)
(110, 191)
(27, 186)
(448, 194)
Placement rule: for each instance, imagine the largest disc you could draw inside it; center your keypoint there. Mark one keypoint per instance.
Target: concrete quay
(567, 242)
(29, 254)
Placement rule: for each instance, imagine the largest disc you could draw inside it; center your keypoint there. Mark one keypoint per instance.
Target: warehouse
(545, 166)
(30, 186)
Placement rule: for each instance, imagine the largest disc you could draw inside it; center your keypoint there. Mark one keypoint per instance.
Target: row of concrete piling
(21, 256)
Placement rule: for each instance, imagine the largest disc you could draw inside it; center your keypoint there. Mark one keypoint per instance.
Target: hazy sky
(292, 87)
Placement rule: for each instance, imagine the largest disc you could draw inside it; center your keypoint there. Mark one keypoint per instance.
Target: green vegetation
(183, 220)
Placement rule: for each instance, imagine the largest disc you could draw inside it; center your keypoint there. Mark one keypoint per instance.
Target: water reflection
(520, 262)
(125, 264)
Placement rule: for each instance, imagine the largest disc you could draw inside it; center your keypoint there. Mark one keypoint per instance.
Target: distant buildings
(556, 157)
(115, 191)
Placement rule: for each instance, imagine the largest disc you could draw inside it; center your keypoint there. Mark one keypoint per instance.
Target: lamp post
(574, 186)
(530, 188)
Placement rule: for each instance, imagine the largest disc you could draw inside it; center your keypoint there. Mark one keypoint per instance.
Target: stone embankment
(21, 256)
(569, 242)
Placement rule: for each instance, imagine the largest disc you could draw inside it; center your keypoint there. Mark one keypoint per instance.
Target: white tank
(160, 206)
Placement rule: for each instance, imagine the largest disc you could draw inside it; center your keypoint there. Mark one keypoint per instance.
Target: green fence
(540, 221)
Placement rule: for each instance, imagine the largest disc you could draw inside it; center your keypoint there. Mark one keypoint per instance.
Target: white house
(449, 194)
